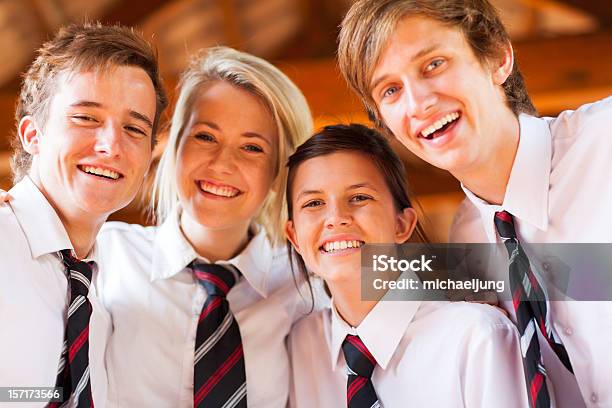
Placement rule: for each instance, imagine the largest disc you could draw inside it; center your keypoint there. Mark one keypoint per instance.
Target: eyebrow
(351, 187)
(307, 192)
(361, 185)
(141, 117)
(245, 134)
(418, 55)
(134, 114)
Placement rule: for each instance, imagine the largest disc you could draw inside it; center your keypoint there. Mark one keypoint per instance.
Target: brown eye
(134, 129)
(84, 118)
(205, 137)
(313, 203)
(360, 197)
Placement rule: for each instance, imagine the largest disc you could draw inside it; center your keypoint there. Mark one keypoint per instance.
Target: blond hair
(284, 101)
(78, 48)
(367, 26)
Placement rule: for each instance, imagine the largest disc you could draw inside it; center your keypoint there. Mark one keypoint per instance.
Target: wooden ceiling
(562, 46)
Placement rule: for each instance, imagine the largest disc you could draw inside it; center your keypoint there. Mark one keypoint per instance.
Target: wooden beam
(7, 122)
(561, 73)
(132, 13)
(566, 72)
(600, 9)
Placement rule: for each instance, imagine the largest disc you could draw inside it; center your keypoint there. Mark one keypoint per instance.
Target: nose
(418, 98)
(108, 140)
(222, 160)
(338, 215)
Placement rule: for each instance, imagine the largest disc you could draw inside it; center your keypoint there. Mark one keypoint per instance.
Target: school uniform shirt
(560, 191)
(428, 354)
(34, 297)
(155, 304)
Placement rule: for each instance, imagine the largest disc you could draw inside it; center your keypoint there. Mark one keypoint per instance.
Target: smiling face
(341, 201)
(226, 158)
(90, 157)
(438, 99)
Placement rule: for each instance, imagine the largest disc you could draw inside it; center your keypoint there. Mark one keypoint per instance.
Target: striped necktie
(219, 372)
(530, 306)
(73, 371)
(360, 364)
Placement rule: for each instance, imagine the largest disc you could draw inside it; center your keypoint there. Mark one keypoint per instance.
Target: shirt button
(546, 266)
(594, 397)
(569, 331)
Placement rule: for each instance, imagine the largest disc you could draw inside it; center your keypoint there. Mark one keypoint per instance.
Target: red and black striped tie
(530, 306)
(73, 371)
(219, 373)
(360, 364)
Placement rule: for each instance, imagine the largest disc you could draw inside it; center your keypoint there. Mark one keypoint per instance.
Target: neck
(348, 303)
(82, 234)
(214, 244)
(81, 227)
(489, 179)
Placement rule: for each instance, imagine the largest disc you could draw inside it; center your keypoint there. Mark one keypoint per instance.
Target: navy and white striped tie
(219, 371)
(73, 372)
(360, 363)
(530, 306)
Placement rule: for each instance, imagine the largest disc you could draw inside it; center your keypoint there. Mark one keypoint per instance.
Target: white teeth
(220, 191)
(101, 172)
(339, 245)
(439, 124)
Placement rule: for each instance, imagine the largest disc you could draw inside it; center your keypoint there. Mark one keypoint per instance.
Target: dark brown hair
(79, 48)
(368, 25)
(352, 138)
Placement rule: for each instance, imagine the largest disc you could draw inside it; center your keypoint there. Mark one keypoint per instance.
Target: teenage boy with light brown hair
(86, 118)
(440, 76)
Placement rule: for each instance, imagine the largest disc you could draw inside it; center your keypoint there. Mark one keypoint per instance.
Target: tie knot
(216, 279)
(504, 224)
(359, 360)
(79, 273)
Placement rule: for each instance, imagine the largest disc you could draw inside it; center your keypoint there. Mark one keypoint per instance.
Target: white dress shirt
(428, 354)
(155, 304)
(34, 297)
(560, 191)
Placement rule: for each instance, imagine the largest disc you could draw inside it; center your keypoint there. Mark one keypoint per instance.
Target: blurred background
(563, 47)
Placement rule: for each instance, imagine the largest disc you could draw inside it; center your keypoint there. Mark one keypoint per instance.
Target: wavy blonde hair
(284, 101)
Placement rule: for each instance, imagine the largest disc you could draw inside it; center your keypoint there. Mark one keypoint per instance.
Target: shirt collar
(40, 223)
(381, 331)
(172, 253)
(526, 196)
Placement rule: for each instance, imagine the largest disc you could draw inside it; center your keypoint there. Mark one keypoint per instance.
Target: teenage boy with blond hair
(86, 117)
(440, 76)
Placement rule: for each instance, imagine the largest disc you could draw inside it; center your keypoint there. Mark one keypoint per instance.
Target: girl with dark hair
(346, 187)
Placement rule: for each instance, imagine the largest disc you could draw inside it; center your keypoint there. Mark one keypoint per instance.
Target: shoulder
(309, 330)
(592, 118)
(7, 218)
(467, 224)
(280, 273)
(10, 231)
(471, 321)
(465, 330)
(115, 231)
(119, 241)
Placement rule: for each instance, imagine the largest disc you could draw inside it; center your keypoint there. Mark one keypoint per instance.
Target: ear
(502, 66)
(291, 236)
(405, 225)
(29, 134)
